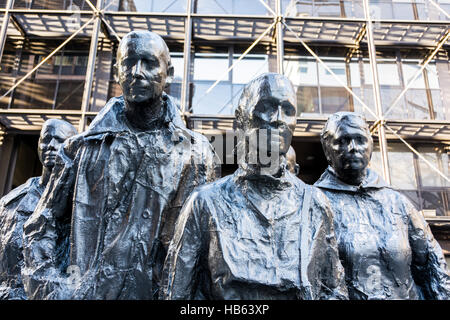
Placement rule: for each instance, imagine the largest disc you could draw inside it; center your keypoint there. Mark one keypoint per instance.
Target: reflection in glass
(53, 4)
(401, 168)
(313, 8)
(439, 159)
(169, 6)
(245, 7)
(224, 97)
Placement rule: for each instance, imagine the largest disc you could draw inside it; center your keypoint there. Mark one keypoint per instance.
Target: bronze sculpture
(385, 244)
(18, 205)
(119, 187)
(256, 234)
(291, 160)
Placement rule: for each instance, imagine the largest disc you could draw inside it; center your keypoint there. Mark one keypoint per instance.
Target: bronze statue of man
(120, 186)
(18, 205)
(385, 244)
(260, 233)
(291, 160)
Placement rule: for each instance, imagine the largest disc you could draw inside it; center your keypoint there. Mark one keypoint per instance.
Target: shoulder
(19, 192)
(212, 191)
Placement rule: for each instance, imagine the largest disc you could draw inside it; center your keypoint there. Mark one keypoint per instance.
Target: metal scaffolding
(190, 26)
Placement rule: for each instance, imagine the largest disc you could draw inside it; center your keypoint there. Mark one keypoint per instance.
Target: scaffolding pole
(187, 58)
(90, 68)
(4, 29)
(280, 42)
(382, 141)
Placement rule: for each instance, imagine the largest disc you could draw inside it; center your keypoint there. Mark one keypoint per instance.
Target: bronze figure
(385, 244)
(18, 205)
(118, 188)
(258, 233)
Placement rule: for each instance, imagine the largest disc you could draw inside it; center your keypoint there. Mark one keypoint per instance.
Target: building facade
(388, 59)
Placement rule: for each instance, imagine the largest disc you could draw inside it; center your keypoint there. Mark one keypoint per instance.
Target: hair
(338, 119)
(253, 91)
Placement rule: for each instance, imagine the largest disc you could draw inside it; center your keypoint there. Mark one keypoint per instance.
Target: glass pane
(381, 9)
(327, 79)
(439, 160)
(307, 100)
(210, 66)
(301, 71)
(414, 197)
(403, 10)
(334, 99)
(440, 113)
(409, 70)
(354, 9)
(375, 162)
(245, 7)
(435, 200)
(304, 8)
(219, 100)
(70, 95)
(401, 165)
(223, 98)
(169, 6)
(53, 4)
(417, 104)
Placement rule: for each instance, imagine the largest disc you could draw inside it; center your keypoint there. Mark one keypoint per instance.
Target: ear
(297, 169)
(170, 74)
(116, 72)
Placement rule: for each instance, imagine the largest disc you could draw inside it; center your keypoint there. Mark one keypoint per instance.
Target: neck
(144, 115)
(354, 178)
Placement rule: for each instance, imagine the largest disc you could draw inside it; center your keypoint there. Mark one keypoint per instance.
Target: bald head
(145, 40)
(144, 68)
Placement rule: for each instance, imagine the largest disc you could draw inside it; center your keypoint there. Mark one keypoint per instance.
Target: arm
(428, 267)
(181, 268)
(325, 267)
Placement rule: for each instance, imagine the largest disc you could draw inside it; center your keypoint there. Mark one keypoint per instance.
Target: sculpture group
(134, 207)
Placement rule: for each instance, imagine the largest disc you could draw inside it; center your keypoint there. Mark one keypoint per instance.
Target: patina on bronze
(119, 186)
(18, 205)
(255, 234)
(291, 160)
(385, 244)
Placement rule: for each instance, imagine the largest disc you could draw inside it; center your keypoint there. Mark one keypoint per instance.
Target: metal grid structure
(270, 27)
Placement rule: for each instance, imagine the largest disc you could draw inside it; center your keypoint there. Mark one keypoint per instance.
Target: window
(224, 97)
(425, 188)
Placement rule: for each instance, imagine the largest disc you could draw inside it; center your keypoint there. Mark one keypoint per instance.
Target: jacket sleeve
(43, 244)
(181, 268)
(325, 271)
(428, 266)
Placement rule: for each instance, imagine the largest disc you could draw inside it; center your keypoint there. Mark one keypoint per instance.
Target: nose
(277, 117)
(52, 145)
(352, 145)
(137, 68)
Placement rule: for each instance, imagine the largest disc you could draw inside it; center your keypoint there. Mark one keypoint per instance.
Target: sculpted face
(144, 68)
(53, 134)
(274, 111)
(349, 150)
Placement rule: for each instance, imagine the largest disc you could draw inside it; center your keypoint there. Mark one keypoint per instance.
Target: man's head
(268, 102)
(291, 159)
(144, 68)
(347, 144)
(53, 134)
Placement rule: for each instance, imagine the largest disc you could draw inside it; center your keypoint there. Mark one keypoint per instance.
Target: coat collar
(111, 118)
(329, 180)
